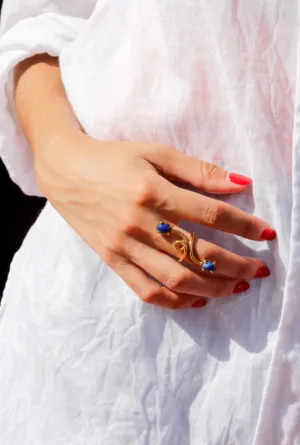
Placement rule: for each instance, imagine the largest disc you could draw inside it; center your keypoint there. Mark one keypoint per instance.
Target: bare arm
(44, 110)
(41, 100)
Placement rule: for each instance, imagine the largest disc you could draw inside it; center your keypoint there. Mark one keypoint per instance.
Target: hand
(115, 193)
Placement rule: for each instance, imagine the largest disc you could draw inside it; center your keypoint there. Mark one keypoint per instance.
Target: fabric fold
(46, 33)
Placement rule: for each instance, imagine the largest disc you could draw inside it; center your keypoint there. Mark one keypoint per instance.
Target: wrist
(45, 113)
(52, 125)
(55, 155)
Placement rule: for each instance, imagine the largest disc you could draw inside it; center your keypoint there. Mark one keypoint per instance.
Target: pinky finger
(149, 291)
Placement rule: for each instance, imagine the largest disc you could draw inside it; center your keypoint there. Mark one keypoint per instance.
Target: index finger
(218, 215)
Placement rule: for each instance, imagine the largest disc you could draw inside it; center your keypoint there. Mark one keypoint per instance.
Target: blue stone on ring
(163, 227)
(208, 266)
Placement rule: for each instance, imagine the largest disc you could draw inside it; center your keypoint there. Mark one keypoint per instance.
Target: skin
(114, 193)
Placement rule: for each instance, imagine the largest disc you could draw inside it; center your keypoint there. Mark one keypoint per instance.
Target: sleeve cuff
(47, 33)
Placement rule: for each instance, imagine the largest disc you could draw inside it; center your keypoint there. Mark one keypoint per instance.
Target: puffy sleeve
(30, 27)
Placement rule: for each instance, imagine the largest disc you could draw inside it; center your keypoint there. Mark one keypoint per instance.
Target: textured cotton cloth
(82, 359)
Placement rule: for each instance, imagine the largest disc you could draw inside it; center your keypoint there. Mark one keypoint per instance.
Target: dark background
(18, 212)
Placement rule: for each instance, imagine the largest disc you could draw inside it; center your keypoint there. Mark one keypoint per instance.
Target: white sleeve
(30, 27)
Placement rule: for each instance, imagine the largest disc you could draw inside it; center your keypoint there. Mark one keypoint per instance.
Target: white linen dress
(82, 360)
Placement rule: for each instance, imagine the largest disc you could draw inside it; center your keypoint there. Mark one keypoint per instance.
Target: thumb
(200, 174)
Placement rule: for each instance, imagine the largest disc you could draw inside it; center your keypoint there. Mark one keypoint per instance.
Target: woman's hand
(115, 193)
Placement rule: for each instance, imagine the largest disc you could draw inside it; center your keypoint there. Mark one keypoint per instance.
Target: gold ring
(185, 246)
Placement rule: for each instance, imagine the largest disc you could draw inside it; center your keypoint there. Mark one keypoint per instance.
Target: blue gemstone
(209, 266)
(163, 228)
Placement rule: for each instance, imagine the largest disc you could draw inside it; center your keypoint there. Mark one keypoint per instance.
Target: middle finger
(178, 278)
(227, 263)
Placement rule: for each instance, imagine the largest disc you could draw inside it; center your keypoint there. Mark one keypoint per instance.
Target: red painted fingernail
(262, 272)
(240, 179)
(242, 286)
(199, 303)
(268, 235)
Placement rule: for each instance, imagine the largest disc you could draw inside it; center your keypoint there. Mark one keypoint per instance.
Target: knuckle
(116, 241)
(108, 256)
(129, 227)
(247, 229)
(208, 170)
(166, 150)
(213, 214)
(161, 150)
(176, 304)
(218, 292)
(164, 203)
(156, 296)
(130, 221)
(175, 282)
(208, 253)
(145, 192)
(218, 289)
(150, 295)
(243, 269)
(165, 155)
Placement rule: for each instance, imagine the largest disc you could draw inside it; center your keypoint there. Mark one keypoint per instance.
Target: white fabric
(47, 32)
(82, 360)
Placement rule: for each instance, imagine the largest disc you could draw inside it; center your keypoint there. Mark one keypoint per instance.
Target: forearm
(42, 104)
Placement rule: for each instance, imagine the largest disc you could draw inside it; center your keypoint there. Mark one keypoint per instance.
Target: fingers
(180, 204)
(200, 174)
(152, 292)
(180, 279)
(184, 204)
(228, 263)
(146, 288)
(158, 193)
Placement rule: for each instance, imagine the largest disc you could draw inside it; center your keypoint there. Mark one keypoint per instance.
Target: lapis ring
(185, 246)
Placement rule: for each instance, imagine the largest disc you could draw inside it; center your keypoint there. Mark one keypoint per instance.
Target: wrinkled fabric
(82, 359)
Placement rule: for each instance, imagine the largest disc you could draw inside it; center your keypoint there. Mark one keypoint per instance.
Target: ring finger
(178, 278)
(226, 262)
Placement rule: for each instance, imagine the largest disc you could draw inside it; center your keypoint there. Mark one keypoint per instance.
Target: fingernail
(199, 304)
(268, 235)
(240, 179)
(262, 272)
(242, 286)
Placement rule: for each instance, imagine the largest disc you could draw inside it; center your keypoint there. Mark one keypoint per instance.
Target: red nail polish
(268, 235)
(199, 304)
(242, 286)
(262, 272)
(240, 179)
